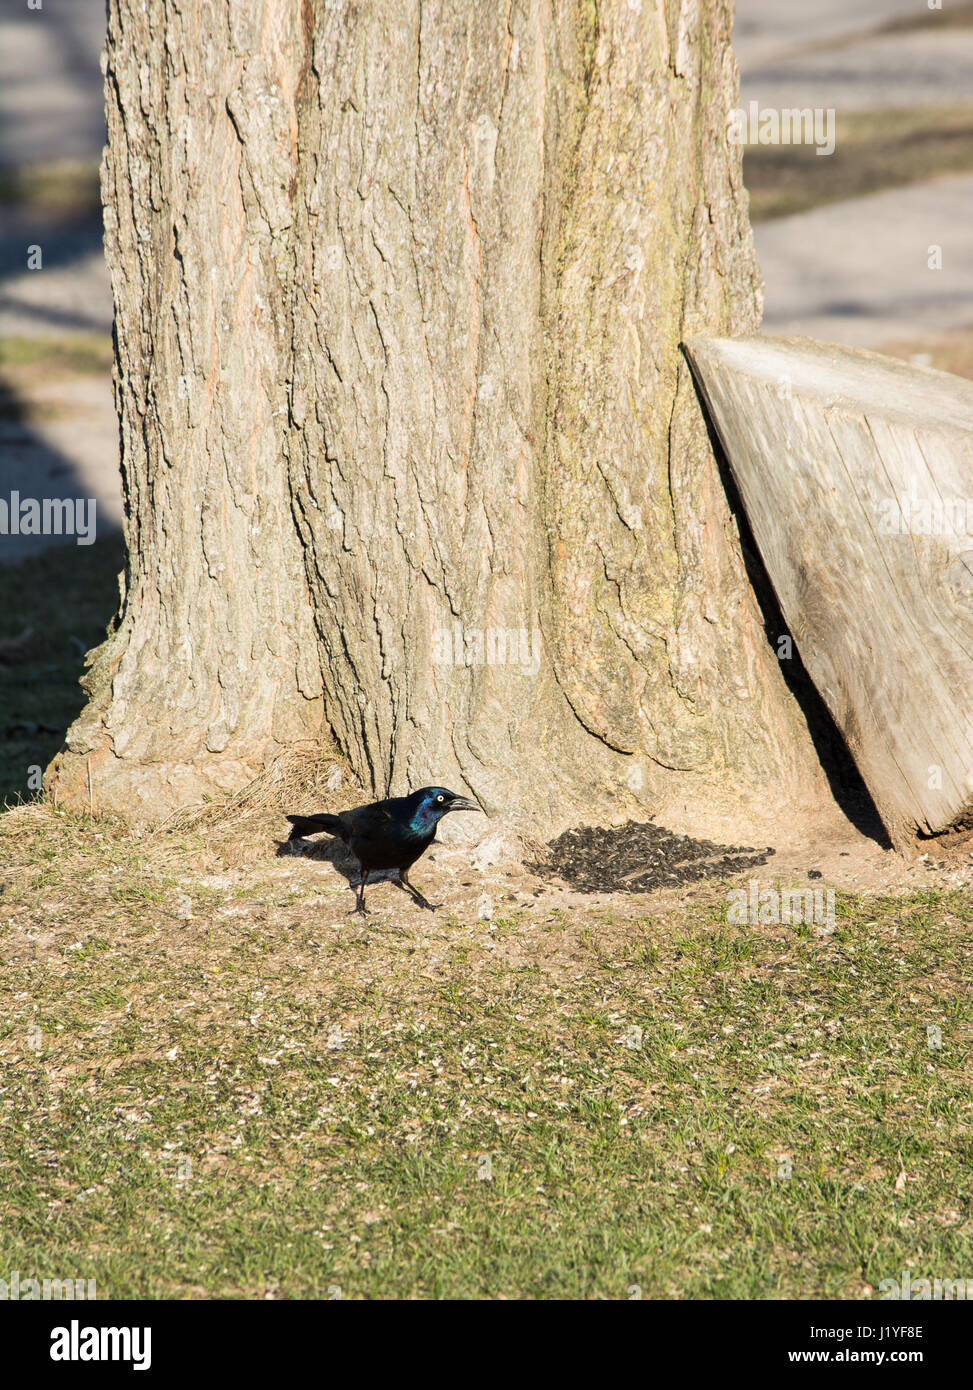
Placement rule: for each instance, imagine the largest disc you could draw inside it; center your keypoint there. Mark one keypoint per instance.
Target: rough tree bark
(400, 288)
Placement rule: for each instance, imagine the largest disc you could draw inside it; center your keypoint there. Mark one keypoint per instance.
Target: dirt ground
(660, 865)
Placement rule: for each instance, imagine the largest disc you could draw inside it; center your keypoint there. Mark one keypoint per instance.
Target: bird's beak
(461, 803)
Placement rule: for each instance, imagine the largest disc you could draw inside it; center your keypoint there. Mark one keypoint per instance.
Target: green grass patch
(81, 354)
(257, 1099)
(69, 187)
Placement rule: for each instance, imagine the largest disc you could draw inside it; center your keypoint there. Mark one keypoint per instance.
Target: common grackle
(387, 834)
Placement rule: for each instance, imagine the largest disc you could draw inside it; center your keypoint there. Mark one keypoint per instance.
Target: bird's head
(432, 803)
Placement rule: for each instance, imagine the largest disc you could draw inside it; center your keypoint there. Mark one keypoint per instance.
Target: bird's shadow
(335, 853)
(329, 851)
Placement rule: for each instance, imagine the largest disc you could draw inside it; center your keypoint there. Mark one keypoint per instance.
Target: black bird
(387, 834)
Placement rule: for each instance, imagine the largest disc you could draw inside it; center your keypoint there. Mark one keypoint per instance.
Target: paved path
(70, 295)
(858, 272)
(51, 104)
(917, 68)
(52, 109)
(855, 272)
(65, 445)
(59, 436)
(767, 30)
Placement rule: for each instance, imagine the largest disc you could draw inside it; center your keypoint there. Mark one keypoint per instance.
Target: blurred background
(844, 240)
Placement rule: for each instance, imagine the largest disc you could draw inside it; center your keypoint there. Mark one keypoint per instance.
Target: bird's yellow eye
(440, 797)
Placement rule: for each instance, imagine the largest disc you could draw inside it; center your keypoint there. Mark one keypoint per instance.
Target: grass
(80, 354)
(54, 186)
(54, 606)
(215, 1084)
(874, 150)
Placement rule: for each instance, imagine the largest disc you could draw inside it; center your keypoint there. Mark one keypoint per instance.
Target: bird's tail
(313, 825)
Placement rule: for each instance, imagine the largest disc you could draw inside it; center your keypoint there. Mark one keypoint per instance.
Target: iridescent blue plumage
(431, 804)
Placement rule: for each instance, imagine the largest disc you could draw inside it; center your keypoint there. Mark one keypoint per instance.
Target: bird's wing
(364, 822)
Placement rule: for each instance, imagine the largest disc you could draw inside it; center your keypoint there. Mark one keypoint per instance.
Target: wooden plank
(856, 473)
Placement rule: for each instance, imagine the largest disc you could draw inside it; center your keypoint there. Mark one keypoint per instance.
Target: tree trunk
(411, 453)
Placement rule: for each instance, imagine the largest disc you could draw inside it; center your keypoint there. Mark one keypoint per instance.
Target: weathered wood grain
(856, 473)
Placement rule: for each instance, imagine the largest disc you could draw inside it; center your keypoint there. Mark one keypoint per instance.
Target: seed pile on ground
(635, 858)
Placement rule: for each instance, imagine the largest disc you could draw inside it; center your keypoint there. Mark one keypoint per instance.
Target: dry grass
(312, 777)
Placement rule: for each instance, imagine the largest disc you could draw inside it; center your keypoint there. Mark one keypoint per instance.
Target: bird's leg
(360, 901)
(414, 893)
